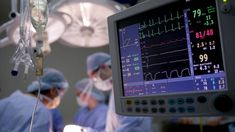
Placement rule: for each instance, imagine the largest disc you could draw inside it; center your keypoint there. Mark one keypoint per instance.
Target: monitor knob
(223, 103)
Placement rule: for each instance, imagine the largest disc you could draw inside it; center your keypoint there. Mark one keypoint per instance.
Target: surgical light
(89, 26)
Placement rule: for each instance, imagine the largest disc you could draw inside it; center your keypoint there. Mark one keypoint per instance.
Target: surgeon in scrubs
(93, 111)
(57, 120)
(16, 110)
(99, 71)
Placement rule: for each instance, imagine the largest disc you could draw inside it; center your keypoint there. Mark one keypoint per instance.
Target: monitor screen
(175, 48)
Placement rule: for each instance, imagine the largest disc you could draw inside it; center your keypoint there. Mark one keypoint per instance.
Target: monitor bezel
(116, 63)
(226, 27)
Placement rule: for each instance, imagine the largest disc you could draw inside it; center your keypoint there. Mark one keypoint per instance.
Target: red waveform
(166, 42)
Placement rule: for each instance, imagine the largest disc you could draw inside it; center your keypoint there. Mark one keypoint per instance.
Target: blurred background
(70, 60)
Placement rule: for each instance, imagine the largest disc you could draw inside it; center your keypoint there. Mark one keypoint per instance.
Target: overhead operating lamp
(89, 26)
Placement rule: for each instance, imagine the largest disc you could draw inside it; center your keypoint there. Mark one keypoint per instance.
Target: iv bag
(39, 14)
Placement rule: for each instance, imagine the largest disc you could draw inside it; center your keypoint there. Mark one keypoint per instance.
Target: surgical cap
(51, 78)
(97, 59)
(94, 92)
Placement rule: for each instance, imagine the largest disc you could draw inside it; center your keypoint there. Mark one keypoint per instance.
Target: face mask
(81, 103)
(102, 80)
(104, 85)
(52, 103)
(85, 94)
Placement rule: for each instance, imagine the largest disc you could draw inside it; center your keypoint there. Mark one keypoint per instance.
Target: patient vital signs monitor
(174, 58)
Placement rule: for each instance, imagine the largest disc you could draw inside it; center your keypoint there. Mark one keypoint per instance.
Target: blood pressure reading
(172, 51)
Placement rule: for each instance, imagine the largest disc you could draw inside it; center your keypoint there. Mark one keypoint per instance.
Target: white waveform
(162, 63)
(154, 33)
(159, 21)
(183, 72)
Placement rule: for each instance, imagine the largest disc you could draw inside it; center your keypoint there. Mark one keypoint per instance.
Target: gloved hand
(74, 128)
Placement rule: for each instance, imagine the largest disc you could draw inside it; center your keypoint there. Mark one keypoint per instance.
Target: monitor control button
(129, 102)
(191, 109)
(171, 101)
(154, 110)
(162, 110)
(144, 102)
(145, 110)
(137, 110)
(202, 99)
(189, 100)
(129, 109)
(180, 101)
(153, 102)
(223, 103)
(137, 102)
(181, 109)
(161, 102)
(172, 110)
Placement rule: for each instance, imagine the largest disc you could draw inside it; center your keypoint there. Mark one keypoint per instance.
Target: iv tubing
(201, 124)
(14, 5)
(35, 107)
